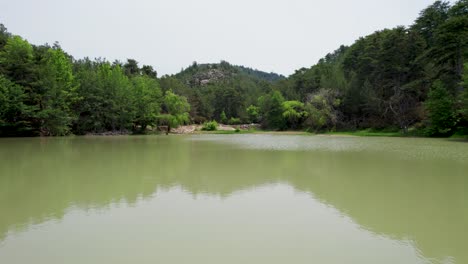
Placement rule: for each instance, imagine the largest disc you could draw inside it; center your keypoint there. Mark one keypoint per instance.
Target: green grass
(368, 133)
(459, 136)
(359, 133)
(228, 132)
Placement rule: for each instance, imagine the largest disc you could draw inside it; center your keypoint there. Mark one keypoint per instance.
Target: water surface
(233, 199)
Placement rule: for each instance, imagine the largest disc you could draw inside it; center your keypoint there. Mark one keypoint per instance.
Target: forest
(409, 79)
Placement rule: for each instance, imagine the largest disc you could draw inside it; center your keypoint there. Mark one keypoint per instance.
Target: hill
(220, 87)
(203, 74)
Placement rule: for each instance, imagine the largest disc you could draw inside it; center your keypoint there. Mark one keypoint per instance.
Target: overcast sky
(270, 35)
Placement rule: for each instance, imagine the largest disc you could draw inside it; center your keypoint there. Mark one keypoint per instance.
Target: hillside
(220, 87)
(203, 74)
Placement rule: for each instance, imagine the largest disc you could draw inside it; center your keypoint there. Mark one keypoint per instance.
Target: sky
(271, 35)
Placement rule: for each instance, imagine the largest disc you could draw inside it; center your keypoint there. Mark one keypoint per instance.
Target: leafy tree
(223, 118)
(58, 95)
(147, 96)
(175, 110)
(14, 114)
(463, 109)
(451, 47)
(119, 112)
(149, 71)
(4, 36)
(459, 9)
(254, 113)
(322, 108)
(440, 106)
(430, 19)
(92, 108)
(294, 113)
(131, 67)
(17, 62)
(271, 109)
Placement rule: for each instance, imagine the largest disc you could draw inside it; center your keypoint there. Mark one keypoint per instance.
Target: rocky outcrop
(210, 76)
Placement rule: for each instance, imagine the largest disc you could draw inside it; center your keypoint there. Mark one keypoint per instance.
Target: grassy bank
(368, 133)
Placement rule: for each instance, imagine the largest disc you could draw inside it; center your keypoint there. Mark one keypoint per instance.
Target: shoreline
(255, 129)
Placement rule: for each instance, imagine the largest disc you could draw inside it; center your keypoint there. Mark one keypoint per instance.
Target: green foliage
(119, 108)
(271, 110)
(147, 96)
(223, 118)
(254, 113)
(462, 103)
(14, 114)
(131, 67)
(214, 88)
(210, 126)
(4, 36)
(175, 110)
(59, 93)
(16, 60)
(112, 101)
(430, 19)
(234, 121)
(294, 113)
(451, 48)
(322, 107)
(440, 106)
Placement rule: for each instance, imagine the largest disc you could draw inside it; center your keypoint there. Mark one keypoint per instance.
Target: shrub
(234, 121)
(210, 126)
(223, 118)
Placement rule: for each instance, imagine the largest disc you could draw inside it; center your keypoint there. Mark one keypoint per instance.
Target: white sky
(270, 35)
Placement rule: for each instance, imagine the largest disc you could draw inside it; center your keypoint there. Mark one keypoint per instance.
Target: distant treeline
(414, 80)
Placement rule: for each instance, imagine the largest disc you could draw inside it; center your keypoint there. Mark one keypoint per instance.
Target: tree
(223, 118)
(430, 19)
(271, 109)
(322, 108)
(175, 110)
(294, 113)
(147, 96)
(14, 114)
(91, 109)
(4, 36)
(131, 67)
(149, 71)
(16, 61)
(440, 106)
(254, 113)
(111, 98)
(463, 109)
(459, 9)
(58, 96)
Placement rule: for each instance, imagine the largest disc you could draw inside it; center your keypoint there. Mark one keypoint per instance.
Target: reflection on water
(232, 199)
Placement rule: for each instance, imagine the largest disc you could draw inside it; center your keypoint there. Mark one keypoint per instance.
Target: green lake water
(233, 199)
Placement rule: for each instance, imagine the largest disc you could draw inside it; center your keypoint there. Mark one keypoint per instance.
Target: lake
(253, 198)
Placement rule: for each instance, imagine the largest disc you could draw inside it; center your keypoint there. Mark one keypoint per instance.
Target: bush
(234, 121)
(254, 113)
(223, 118)
(210, 126)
